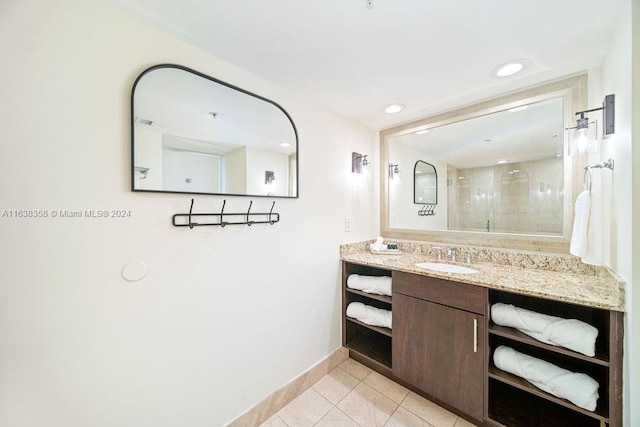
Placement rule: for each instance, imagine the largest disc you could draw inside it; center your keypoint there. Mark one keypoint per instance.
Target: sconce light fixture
(269, 177)
(141, 172)
(583, 140)
(358, 161)
(393, 170)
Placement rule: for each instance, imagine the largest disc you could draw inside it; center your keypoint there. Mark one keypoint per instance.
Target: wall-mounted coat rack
(222, 218)
(427, 210)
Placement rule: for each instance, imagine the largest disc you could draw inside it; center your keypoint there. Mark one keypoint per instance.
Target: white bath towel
(579, 238)
(578, 388)
(594, 254)
(370, 315)
(380, 285)
(573, 334)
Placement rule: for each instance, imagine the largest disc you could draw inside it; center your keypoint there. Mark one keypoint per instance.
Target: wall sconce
(358, 161)
(393, 170)
(141, 172)
(269, 177)
(583, 139)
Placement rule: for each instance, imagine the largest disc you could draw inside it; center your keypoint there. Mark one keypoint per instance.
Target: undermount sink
(446, 268)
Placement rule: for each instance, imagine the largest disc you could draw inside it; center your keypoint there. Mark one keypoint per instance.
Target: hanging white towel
(594, 254)
(579, 238)
(580, 389)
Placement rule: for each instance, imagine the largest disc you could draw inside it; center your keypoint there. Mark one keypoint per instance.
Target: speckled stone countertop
(556, 277)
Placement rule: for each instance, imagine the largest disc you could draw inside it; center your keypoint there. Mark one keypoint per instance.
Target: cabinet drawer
(452, 294)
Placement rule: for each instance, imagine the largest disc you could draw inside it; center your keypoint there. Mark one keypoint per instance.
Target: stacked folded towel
(569, 333)
(370, 315)
(580, 389)
(380, 285)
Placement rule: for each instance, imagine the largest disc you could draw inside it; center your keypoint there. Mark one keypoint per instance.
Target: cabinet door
(439, 350)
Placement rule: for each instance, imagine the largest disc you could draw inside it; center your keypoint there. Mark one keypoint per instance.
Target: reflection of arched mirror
(192, 133)
(425, 184)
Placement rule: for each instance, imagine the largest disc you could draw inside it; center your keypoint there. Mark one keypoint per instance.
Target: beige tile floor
(353, 395)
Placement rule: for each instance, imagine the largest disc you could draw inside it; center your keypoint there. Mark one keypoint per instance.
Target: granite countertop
(556, 277)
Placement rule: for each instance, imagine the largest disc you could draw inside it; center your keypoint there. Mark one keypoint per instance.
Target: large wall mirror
(192, 133)
(508, 179)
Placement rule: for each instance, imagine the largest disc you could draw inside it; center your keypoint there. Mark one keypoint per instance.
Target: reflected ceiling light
(502, 162)
(285, 144)
(422, 132)
(510, 68)
(393, 108)
(516, 109)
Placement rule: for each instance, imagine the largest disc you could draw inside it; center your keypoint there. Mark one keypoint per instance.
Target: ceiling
(431, 56)
(509, 136)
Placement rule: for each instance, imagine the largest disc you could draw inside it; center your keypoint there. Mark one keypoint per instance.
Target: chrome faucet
(452, 252)
(469, 252)
(439, 251)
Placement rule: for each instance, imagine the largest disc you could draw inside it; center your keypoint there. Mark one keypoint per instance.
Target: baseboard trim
(277, 400)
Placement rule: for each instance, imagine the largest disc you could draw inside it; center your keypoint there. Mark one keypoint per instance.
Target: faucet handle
(452, 252)
(439, 251)
(469, 252)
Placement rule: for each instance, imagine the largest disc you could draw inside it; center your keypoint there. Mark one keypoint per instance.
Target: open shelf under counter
(382, 298)
(373, 348)
(600, 413)
(378, 329)
(506, 410)
(601, 358)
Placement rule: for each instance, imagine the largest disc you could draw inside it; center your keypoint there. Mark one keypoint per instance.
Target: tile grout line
(348, 393)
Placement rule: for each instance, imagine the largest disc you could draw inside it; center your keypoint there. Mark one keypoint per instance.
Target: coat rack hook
(222, 223)
(190, 209)
(248, 211)
(270, 220)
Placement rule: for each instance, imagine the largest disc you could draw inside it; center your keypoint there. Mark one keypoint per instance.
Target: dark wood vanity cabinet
(442, 342)
(437, 344)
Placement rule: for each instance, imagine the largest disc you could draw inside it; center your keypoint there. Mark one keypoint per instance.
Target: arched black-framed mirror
(192, 133)
(425, 184)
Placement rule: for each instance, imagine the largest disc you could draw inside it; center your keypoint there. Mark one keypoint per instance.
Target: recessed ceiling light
(422, 132)
(520, 108)
(510, 68)
(285, 144)
(502, 162)
(393, 108)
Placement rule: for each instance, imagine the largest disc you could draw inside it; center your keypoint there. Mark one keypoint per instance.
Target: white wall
(149, 155)
(621, 186)
(258, 162)
(225, 316)
(403, 213)
(234, 169)
(190, 171)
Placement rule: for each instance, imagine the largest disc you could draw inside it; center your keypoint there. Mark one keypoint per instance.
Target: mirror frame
(214, 80)
(574, 93)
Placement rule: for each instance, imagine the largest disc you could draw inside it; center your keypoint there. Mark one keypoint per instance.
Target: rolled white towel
(578, 388)
(379, 285)
(370, 315)
(573, 334)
